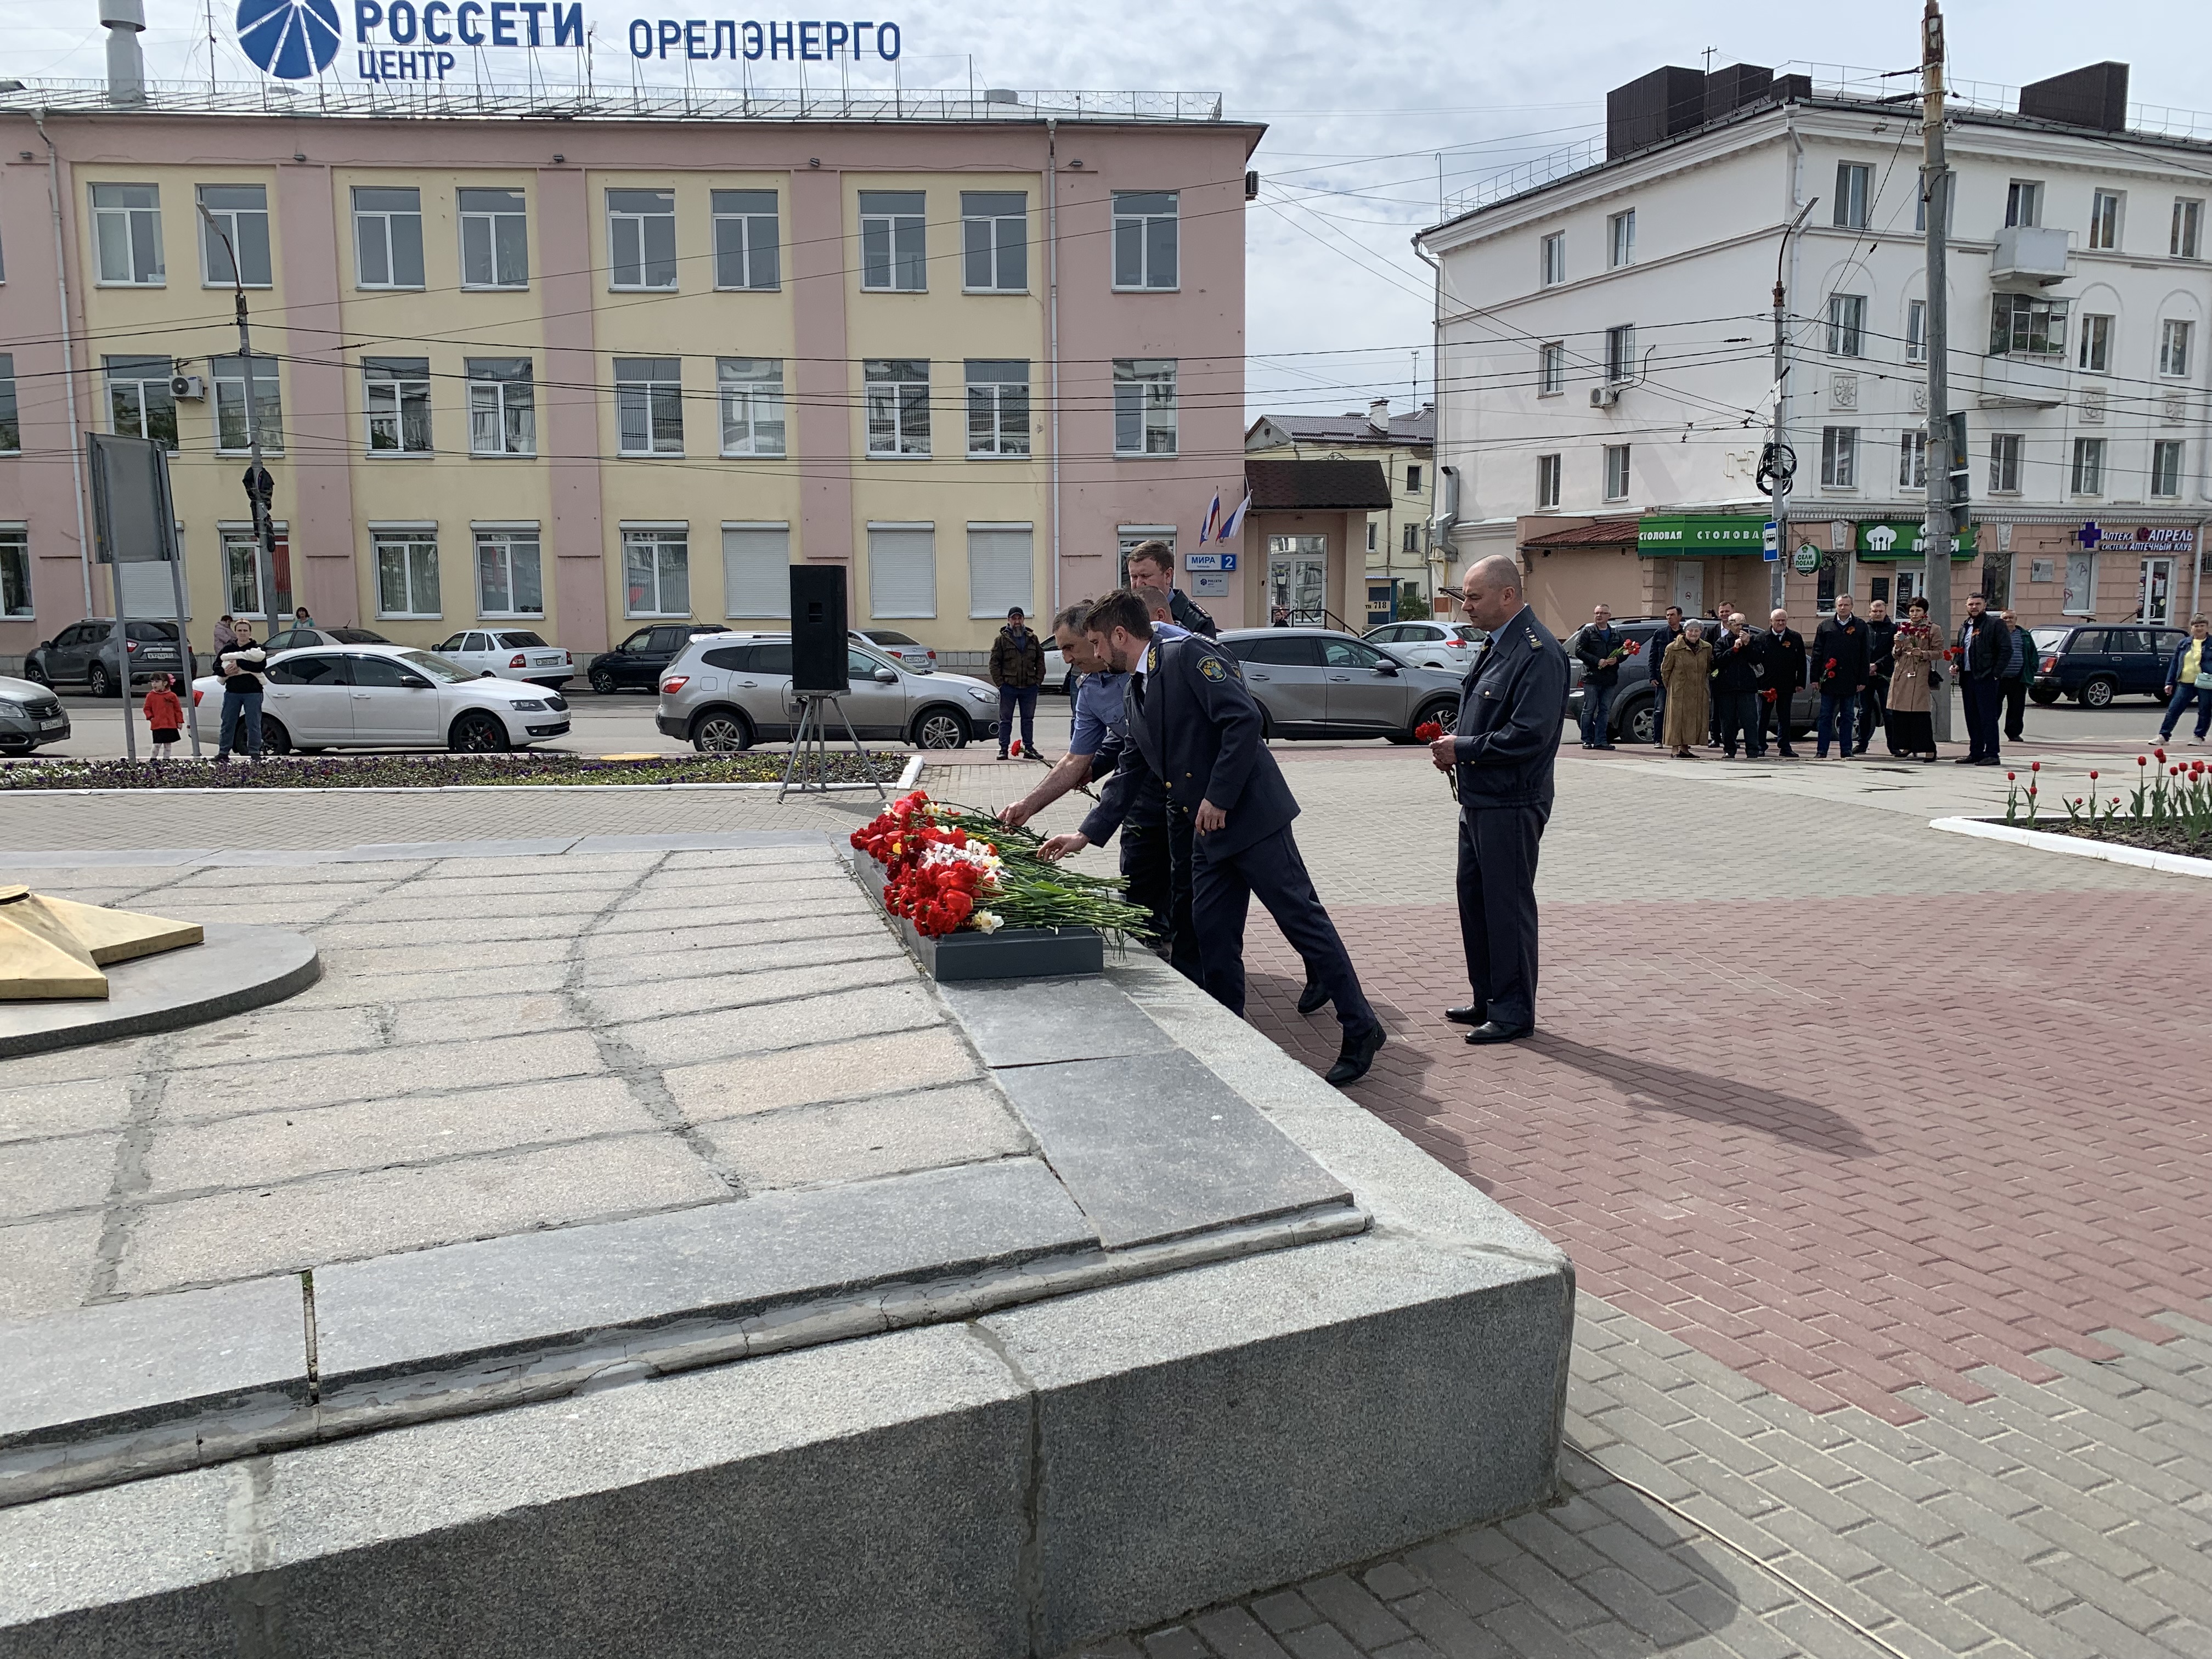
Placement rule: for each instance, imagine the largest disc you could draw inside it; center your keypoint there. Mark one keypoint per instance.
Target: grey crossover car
(731, 690)
(1634, 714)
(30, 715)
(1316, 683)
(84, 653)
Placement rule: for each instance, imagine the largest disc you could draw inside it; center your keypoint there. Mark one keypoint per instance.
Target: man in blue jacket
(1510, 707)
(1196, 726)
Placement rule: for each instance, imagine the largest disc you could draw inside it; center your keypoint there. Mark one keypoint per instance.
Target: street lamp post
(275, 603)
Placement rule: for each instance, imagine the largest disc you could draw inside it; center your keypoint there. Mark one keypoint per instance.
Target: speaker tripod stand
(807, 770)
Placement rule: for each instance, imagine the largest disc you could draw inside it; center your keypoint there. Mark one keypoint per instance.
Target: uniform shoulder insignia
(1532, 635)
(1152, 660)
(1211, 668)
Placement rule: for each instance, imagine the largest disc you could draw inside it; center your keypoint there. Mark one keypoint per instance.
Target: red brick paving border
(1843, 1150)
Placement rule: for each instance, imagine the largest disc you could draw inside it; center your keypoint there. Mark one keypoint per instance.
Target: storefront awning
(1895, 538)
(1700, 535)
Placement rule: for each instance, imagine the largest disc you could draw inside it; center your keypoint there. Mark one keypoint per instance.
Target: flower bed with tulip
(948, 869)
(2166, 807)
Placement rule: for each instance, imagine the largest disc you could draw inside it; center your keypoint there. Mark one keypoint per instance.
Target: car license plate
(547, 661)
(53, 725)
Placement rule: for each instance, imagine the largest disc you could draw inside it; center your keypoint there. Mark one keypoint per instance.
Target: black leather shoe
(1473, 1014)
(1316, 995)
(1490, 1031)
(1357, 1055)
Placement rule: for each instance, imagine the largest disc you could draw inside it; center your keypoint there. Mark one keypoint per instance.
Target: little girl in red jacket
(165, 713)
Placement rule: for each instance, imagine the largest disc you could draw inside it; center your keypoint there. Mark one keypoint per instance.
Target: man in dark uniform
(1195, 722)
(1510, 707)
(1152, 565)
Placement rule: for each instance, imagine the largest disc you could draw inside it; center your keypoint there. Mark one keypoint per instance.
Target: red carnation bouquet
(949, 868)
(1427, 732)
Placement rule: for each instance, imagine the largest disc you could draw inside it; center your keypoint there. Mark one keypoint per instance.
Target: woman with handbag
(1686, 670)
(1914, 655)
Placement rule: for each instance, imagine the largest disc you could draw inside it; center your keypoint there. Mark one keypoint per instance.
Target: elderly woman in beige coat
(1914, 653)
(1686, 672)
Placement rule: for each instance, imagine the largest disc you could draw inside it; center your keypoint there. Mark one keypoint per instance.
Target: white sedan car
(513, 653)
(391, 696)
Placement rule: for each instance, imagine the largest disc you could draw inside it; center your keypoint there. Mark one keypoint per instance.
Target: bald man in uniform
(1511, 704)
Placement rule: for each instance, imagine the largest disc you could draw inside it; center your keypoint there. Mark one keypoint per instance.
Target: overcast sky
(1360, 100)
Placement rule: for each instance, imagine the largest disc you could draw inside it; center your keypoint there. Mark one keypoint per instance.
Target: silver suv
(1316, 682)
(726, 691)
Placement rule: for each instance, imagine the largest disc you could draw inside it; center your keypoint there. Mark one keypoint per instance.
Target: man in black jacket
(1152, 565)
(1839, 670)
(1785, 673)
(1738, 669)
(1984, 649)
(1599, 647)
(1874, 697)
(1655, 653)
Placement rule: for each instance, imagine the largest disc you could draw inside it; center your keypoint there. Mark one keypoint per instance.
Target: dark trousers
(1739, 716)
(1498, 908)
(1658, 708)
(1222, 888)
(1835, 721)
(1983, 700)
(241, 709)
(1873, 695)
(1022, 697)
(1156, 858)
(2016, 709)
(1775, 717)
(1597, 715)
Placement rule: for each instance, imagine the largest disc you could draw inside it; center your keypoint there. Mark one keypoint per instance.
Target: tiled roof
(1604, 532)
(1419, 427)
(1320, 484)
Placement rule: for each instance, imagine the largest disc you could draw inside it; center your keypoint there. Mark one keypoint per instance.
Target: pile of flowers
(2177, 796)
(949, 868)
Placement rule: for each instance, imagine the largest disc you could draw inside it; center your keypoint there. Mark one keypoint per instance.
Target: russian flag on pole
(1210, 527)
(1235, 522)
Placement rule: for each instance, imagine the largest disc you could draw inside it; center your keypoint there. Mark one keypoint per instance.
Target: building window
(657, 571)
(894, 244)
(2173, 347)
(902, 570)
(502, 408)
(995, 242)
(1916, 331)
(1912, 461)
(1620, 240)
(1370, 536)
(15, 574)
(1620, 353)
(387, 238)
(2096, 343)
(1616, 472)
(2024, 202)
(1551, 259)
(1147, 233)
(2004, 463)
(2078, 597)
(494, 239)
(241, 571)
(1854, 189)
(2188, 227)
(2166, 468)
(406, 573)
(751, 393)
(1547, 481)
(649, 405)
(1550, 368)
(1413, 481)
(2027, 323)
(998, 407)
(756, 570)
(138, 401)
(507, 579)
(398, 404)
(2105, 219)
(231, 436)
(2088, 466)
(1839, 458)
(896, 393)
(240, 213)
(126, 227)
(1411, 538)
(641, 238)
(1000, 567)
(1144, 406)
(1846, 325)
(746, 239)
(11, 429)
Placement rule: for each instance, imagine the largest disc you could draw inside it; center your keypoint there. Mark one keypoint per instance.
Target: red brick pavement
(1843, 1167)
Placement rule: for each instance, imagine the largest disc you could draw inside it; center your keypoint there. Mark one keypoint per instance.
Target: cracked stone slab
(1062, 1019)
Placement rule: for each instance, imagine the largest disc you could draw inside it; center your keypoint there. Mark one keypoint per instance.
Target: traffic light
(1962, 509)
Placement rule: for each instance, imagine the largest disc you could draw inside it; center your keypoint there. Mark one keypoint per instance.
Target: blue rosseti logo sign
(292, 39)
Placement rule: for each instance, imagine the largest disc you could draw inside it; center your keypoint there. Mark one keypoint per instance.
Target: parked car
(84, 653)
(392, 697)
(892, 643)
(636, 663)
(1429, 644)
(731, 692)
(30, 715)
(1058, 676)
(1635, 693)
(2094, 663)
(299, 638)
(515, 653)
(1316, 682)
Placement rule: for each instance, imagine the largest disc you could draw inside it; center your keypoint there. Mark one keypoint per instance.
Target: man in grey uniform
(1511, 704)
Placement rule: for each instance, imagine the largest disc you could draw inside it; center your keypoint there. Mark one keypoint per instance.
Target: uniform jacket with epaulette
(1510, 706)
(1193, 718)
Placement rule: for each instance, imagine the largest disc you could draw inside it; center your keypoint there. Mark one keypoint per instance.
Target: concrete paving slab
(868, 939)
(49, 1264)
(860, 1141)
(427, 929)
(346, 988)
(1039, 1023)
(314, 1080)
(794, 847)
(92, 857)
(70, 1172)
(410, 904)
(680, 1039)
(123, 1057)
(283, 1032)
(324, 876)
(676, 996)
(460, 1017)
(428, 955)
(61, 1108)
(524, 847)
(731, 841)
(830, 1071)
(675, 936)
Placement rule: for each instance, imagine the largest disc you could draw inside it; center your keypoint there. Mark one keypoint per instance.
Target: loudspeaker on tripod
(818, 660)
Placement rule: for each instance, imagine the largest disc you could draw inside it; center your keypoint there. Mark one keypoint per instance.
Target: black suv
(636, 663)
(83, 653)
(1635, 693)
(2094, 664)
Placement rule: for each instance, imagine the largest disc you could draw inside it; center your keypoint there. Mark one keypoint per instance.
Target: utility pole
(276, 603)
(1781, 460)
(1935, 192)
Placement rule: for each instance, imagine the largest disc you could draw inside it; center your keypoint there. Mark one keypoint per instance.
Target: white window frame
(1618, 477)
(1839, 458)
(755, 536)
(1146, 400)
(1548, 470)
(1620, 240)
(1002, 404)
(1133, 233)
(631, 232)
(2176, 336)
(2017, 314)
(991, 230)
(1620, 353)
(904, 233)
(898, 425)
(2095, 353)
(502, 396)
(235, 543)
(1854, 195)
(247, 228)
(889, 607)
(1552, 259)
(17, 599)
(11, 423)
(411, 541)
(2005, 454)
(649, 398)
(1847, 324)
(749, 397)
(227, 381)
(2023, 203)
(1552, 368)
(491, 224)
(140, 381)
(2086, 477)
(505, 542)
(2107, 210)
(1912, 460)
(2187, 240)
(663, 539)
(758, 252)
(993, 590)
(383, 220)
(2166, 460)
(384, 400)
(139, 226)
(1915, 330)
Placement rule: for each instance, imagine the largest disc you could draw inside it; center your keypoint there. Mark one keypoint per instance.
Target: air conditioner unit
(190, 388)
(1604, 396)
